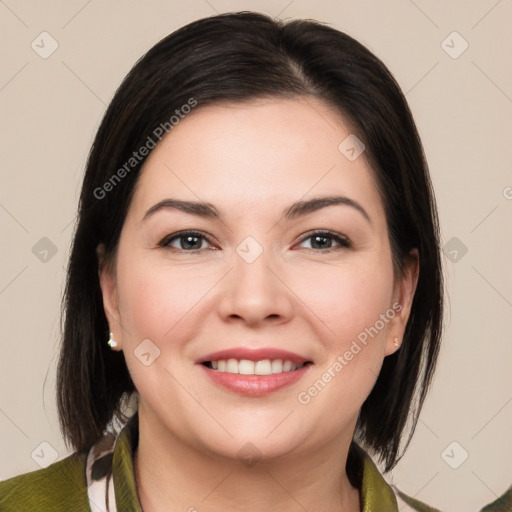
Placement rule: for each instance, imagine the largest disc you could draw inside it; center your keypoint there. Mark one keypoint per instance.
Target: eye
(192, 241)
(323, 241)
(188, 241)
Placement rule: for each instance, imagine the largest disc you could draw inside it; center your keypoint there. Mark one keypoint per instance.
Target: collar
(116, 475)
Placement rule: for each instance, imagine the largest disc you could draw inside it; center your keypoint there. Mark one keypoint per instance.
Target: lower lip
(255, 385)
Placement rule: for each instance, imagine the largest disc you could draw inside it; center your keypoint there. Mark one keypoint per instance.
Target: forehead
(261, 154)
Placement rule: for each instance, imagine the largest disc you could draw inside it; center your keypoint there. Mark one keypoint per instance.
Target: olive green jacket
(103, 481)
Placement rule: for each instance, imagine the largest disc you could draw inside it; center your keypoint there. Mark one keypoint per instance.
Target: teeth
(287, 366)
(277, 366)
(232, 366)
(263, 367)
(244, 367)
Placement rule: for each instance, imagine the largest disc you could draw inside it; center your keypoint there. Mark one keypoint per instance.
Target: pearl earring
(112, 343)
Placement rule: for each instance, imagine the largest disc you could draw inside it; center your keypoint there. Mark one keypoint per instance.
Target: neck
(172, 475)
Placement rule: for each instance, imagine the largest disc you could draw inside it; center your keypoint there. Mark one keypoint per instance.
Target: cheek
(142, 300)
(155, 300)
(355, 305)
(363, 302)
(156, 304)
(349, 299)
(353, 308)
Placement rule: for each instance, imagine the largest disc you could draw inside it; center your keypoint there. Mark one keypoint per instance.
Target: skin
(251, 161)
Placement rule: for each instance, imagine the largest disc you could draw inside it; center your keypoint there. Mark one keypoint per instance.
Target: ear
(403, 295)
(108, 285)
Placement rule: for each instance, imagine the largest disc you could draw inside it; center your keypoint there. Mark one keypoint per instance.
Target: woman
(256, 262)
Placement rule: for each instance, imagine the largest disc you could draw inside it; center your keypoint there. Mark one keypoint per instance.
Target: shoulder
(376, 492)
(502, 504)
(58, 488)
(408, 504)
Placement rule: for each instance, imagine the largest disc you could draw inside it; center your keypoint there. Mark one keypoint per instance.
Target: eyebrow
(297, 209)
(301, 208)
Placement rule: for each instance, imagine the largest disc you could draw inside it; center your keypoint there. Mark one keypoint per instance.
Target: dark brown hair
(232, 58)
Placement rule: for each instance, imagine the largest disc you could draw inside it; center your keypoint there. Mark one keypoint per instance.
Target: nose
(255, 293)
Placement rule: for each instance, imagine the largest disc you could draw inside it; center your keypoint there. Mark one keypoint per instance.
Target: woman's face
(254, 281)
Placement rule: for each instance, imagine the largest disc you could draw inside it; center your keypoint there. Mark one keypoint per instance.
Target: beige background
(463, 106)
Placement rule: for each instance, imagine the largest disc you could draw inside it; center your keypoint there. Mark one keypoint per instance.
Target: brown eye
(188, 241)
(324, 241)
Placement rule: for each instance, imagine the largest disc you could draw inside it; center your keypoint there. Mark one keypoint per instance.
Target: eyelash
(342, 240)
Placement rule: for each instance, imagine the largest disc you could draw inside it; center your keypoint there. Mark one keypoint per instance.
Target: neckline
(374, 491)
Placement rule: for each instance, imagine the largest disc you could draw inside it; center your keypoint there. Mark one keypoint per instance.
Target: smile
(247, 367)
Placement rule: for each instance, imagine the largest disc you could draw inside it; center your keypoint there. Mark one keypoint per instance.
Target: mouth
(254, 372)
(260, 367)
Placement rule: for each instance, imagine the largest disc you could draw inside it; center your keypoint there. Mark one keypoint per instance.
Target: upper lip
(255, 354)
